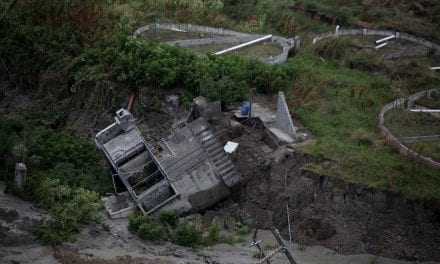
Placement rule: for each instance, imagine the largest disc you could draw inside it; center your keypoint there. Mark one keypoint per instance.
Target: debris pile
(190, 170)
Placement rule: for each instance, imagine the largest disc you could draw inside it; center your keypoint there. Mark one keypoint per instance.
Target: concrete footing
(20, 175)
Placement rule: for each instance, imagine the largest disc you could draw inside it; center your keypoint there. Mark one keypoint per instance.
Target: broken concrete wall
(283, 118)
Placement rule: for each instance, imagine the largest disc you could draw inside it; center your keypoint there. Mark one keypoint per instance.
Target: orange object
(131, 101)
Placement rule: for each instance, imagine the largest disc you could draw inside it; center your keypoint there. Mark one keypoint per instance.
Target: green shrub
(135, 221)
(213, 235)
(74, 161)
(52, 233)
(70, 208)
(188, 236)
(243, 230)
(152, 231)
(146, 227)
(169, 218)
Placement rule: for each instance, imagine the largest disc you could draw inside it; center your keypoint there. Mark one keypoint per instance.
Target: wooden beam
(286, 250)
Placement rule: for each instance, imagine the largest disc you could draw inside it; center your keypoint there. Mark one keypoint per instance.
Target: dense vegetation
(65, 176)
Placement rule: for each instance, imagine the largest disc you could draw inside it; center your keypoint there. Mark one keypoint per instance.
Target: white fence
(393, 141)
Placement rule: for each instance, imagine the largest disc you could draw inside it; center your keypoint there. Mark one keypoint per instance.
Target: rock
(179, 253)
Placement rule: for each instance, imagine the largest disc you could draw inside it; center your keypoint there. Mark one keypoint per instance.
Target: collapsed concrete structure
(188, 171)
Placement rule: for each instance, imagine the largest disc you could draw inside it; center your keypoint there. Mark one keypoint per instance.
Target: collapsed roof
(188, 171)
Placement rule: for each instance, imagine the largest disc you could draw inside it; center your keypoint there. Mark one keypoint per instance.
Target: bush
(188, 236)
(70, 208)
(72, 160)
(213, 235)
(146, 227)
(152, 231)
(169, 218)
(243, 230)
(137, 63)
(52, 233)
(134, 222)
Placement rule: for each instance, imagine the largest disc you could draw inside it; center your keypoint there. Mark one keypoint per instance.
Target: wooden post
(131, 101)
(285, 249)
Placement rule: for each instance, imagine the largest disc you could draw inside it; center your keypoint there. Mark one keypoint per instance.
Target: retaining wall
(221, 36)
(393, 141)
(384, 33)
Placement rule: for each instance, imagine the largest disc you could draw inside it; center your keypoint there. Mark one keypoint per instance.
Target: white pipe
(243, 45)
(381, 45)
(178, 30)
(385, 39)
(435, 68)
(425, 110)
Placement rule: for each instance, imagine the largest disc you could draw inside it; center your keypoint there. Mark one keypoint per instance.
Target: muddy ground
(326, 211)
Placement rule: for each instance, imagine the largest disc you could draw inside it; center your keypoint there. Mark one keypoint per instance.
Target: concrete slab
(230, 147)
(280, 136)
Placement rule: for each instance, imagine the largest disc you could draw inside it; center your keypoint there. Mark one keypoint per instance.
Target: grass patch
(403, 123)
(340, 107)
(427, 149)
(162, 35)
(262, 50)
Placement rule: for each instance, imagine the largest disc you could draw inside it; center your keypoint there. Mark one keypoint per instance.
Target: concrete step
(226, 170)
(173, 164)
(215, 151)
(219, 158)
(207, 138)
(199, 132)
(222, 165)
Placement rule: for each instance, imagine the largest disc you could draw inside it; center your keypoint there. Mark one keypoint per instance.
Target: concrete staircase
(221, 161)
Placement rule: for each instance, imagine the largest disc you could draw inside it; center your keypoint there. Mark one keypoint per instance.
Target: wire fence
(393, 141)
